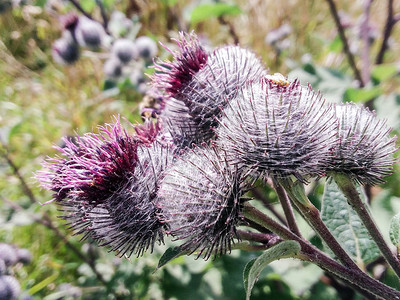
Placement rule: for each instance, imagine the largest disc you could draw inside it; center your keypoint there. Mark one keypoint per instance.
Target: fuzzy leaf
(346, 226)
(206, 11)
(169, 255)
(254, 267)
(394, 231)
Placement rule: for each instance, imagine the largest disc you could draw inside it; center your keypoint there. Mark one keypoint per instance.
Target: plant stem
(391, 20)
(313, 217)
(365, 284)
(349, 190)
(346, 48)
(287, 209)
(259, 195)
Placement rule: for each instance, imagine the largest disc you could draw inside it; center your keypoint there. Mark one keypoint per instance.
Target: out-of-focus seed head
(112, 68)
(203, 82)
(278, 128)
(200, 200)
(89, 33)
(65, 50)
(3, 267)
(8, 254)
(9, 287)
(119, 25)
(147, 47)
(69, 21)
(364, 150)
(125, 50)
(106, 184)
(24, 256)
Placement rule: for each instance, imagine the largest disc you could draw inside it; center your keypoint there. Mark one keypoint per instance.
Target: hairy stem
(313, 217)
(354, 277)
(287, 208)
(349, 190)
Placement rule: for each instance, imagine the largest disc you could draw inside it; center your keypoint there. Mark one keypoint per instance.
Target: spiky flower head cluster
(278, 128)
(364, 150)
(200, 200)
(223, 123)
(106, 184)
(201, 82)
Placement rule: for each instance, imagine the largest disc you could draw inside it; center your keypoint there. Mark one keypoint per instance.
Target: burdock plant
(225, 130)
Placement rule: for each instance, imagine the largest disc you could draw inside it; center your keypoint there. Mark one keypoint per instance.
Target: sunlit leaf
(383, 72)
(394, 231)
(206, 11)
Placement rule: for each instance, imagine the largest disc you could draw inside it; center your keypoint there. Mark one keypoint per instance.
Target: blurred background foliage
(42, 101)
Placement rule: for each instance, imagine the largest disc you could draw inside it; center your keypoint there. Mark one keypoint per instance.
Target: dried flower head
(200, 200)
(65, 50)
(364, 150)
(277, 128)
(106, 184)
(204, 82)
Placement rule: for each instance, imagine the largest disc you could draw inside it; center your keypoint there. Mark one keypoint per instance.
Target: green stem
(312, 215)
(352, 276)
(349, 190)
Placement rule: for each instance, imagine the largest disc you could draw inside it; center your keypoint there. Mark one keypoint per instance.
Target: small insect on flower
(364, 149)
(277, 128)
(106, 184)
(200, 200)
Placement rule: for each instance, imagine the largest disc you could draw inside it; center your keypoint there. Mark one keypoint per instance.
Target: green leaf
(346, 226)
(254, 267)
(40, 3)
(362, 95)
(394, 230)
(169, 255)
(88, 5)
(206, 11)
(336, 45)
(383, 72)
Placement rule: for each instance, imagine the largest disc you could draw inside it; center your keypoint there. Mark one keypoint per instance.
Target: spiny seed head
(200, 200)
(277, 128)
(181, 126)
(191, 57)
(364, 150)
(126, 222)
(203, 83)
(93, 166)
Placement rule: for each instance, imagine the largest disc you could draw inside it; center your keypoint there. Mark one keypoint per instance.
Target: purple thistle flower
(201, 83)
(106, 185)
(364, 150)
(277, 128)
(200, 200)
